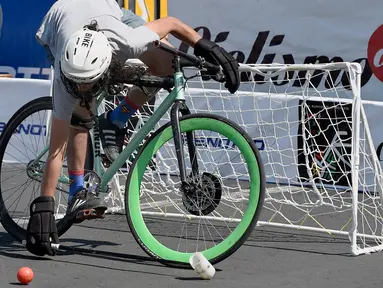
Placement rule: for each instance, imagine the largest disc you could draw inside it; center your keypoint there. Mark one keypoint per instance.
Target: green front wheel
(223, 205)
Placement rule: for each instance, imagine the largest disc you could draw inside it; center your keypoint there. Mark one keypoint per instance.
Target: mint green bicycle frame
(178, 93)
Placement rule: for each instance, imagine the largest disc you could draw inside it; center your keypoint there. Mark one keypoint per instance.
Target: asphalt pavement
(103, 253)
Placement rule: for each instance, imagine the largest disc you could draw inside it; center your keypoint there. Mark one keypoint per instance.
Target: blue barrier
(20, 53)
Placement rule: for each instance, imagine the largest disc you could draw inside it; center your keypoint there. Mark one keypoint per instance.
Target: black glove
(42, 227)
(219, 56)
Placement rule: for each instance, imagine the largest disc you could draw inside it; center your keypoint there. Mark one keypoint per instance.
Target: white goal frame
(358, 114)
(353, 71)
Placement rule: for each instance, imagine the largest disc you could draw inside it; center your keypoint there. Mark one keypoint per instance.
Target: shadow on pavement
(12, 249)
(299, 241)
(78, 243)
(270, 238)
(191, 278)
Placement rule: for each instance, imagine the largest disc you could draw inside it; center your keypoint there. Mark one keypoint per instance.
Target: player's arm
(171, 25)
(202, 47)
(42, 229)
(138, 39)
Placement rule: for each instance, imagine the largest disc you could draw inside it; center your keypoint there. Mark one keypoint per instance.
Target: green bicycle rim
(147, 239)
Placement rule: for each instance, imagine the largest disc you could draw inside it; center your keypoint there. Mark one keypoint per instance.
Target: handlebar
(136, 76)
(188, 59)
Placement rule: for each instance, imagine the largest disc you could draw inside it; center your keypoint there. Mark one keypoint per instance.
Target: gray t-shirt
(66, 17)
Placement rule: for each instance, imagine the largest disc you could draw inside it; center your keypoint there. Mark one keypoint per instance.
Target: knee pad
(78, 122)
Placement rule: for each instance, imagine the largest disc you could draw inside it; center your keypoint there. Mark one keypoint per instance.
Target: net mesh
(310, 127)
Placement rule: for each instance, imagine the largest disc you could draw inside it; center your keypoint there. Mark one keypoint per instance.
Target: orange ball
(25, 275)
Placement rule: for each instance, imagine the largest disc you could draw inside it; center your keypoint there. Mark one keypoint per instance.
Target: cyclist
(84, 39)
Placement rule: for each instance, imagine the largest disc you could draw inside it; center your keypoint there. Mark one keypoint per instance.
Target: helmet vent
(78, 40)
(75, 50)
(94, 60)
(67, 55)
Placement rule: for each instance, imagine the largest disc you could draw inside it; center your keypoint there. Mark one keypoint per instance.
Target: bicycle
(196, 191)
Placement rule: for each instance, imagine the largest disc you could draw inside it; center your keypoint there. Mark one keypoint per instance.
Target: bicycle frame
(177, 94)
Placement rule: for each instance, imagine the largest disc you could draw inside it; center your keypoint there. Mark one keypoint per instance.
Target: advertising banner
(20, 54)
(262, 32)
(16, 93)
(296, 31)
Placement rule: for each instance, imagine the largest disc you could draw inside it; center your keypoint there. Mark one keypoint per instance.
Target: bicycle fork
(180, 107)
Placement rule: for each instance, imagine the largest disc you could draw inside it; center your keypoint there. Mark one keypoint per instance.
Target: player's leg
(131, 19)
(76, 149)
(112, 123)
(69, 134)
(59, 132)
(158, 61)
(41, 229)
(57, 147)
(58, 141)
(81, 205)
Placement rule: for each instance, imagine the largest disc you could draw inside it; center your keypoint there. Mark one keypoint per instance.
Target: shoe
(85, 206)
(112, 137)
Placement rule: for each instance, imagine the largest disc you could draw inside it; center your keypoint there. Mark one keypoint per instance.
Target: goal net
(309, 124)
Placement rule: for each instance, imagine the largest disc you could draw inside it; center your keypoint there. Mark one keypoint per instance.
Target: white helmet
(85, 60)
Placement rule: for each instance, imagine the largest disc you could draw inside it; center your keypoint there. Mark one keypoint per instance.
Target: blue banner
(20, 54)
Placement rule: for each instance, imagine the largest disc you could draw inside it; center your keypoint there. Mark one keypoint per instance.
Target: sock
(76, 182)
(123, 112)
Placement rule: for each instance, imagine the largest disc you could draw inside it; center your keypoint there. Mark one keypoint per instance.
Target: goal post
(309, 124)
(339, 179)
